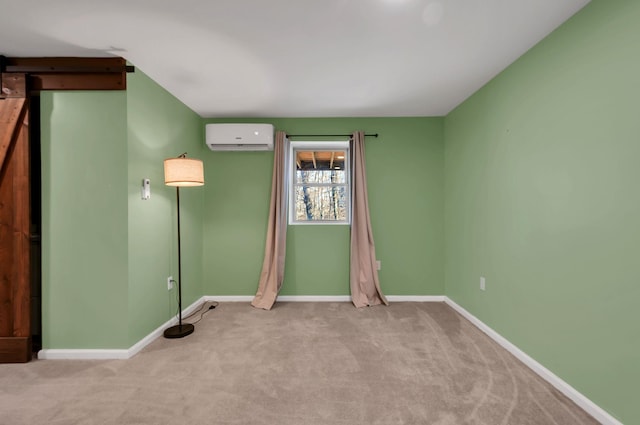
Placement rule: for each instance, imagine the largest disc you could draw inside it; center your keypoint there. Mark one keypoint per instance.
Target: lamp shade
(183, 172)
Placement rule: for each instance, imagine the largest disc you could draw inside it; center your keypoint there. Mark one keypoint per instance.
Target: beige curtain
(272, 273)
(364, 281)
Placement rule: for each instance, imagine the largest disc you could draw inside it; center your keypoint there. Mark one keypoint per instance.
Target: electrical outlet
(482, 283)
(169, 283)
(378, 264)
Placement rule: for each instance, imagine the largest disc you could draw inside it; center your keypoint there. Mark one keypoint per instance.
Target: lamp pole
(180, 330)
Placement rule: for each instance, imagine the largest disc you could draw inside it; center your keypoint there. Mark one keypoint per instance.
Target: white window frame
(317, 146)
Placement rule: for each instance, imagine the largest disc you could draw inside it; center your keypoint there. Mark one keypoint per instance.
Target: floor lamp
(181, 172)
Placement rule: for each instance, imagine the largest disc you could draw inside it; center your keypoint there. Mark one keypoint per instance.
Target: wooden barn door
(15, 212)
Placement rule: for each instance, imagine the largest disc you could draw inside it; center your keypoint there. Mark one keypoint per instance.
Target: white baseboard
(136, 348)
(587, 405)
(416, 298)
(82, 354)
(229, 298)
(314, 298)
(114, 354)
(325, 298)
(283, 298)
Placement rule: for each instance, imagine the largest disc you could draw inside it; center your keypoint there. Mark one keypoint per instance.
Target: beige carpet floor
(299, 364)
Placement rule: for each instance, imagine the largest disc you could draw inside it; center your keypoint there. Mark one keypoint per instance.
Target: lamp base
(179, 331)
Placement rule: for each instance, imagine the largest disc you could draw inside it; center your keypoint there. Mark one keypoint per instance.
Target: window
(320, 191)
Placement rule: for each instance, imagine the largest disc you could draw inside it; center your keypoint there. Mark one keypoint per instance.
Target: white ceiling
(294, 58)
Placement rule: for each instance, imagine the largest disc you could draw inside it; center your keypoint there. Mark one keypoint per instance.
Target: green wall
(84, 216)
(541, 198)
(160, 127)
(405, 178)
(106, 252)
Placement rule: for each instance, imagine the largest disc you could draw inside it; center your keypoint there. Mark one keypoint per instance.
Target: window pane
(320, 166)
(320, 203)
(321, 176)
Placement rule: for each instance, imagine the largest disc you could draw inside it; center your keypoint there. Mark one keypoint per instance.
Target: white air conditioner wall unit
(239, 137)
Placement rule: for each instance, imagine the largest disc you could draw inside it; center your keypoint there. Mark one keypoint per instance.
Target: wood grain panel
(6, 251)
(15, 350)
(15, 219)
(56, 64)
(78, 82)
(12, 112)
(13, 85)
(21, 291)
(71, 73)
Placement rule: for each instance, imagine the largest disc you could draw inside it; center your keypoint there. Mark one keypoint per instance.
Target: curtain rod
(328, 135)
